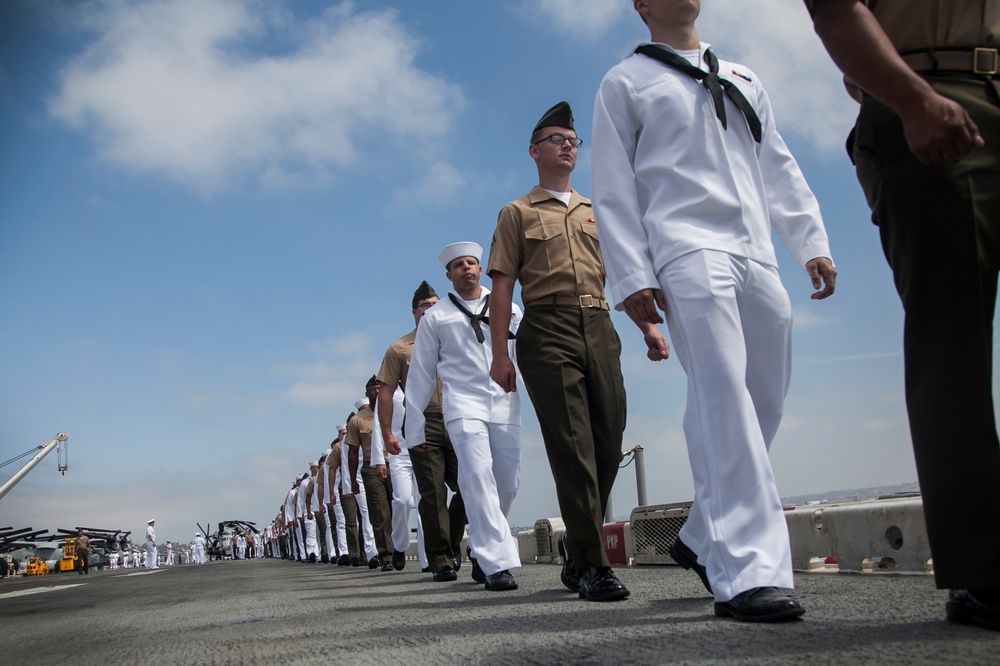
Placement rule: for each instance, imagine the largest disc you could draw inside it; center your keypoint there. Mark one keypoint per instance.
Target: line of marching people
(353, 506)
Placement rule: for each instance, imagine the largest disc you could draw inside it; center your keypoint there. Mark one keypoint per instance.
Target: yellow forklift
(69, 557)
(35, 566)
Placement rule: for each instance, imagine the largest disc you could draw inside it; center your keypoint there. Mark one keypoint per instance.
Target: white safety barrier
(872, 536)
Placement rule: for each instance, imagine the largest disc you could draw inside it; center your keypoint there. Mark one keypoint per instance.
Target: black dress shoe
(500, 581)
(445, 574)
(398, 560)
(355, 561)
(761, 604)
(569, 577)
(312, 558)
(374, 563)
(324, 559)
(965, 607)
(601, 584)
(477, 572)
(685, 557)
(425, 570)
(457, 558)
(344, 561)
(387, 566)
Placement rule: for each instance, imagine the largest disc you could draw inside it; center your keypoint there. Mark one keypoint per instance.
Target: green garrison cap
(371, 382)
(422, 292)
(559, 115)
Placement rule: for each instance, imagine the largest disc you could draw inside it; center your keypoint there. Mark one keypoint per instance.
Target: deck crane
(43, 450)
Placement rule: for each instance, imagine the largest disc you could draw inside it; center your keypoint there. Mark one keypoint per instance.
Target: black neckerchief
(478, 319)
(474, 318)
(715, 84)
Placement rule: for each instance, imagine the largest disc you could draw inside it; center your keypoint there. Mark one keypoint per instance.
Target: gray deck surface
(279, 612)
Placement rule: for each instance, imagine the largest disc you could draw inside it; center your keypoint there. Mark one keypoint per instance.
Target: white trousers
(730, 324)
(150, 556)
(338, 514)
(489, 470)
(405, 498)
(312, 546)
(367, 535)
(327, 535)
(169, 559)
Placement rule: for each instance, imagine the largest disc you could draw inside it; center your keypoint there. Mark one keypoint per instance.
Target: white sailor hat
(326, 454)
(151, 520)
(312, 463)
(341, 428)
(197, 534)
(359, 404)
(464, 249)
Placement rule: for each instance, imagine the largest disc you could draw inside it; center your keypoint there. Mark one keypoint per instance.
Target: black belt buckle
(984, 61)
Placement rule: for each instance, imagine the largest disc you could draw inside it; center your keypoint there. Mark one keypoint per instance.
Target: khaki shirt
(551, 249)
(333, 466)
(396, 365)
(321, 482)
(83, 544)
(359, 433)
(938, 24)
(918, 25)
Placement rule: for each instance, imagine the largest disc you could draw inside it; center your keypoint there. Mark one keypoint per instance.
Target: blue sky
(213, 215)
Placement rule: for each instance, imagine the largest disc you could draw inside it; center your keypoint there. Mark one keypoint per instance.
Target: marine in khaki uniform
(927, 150)
(434, 462)
(378, 487)
(567, 348)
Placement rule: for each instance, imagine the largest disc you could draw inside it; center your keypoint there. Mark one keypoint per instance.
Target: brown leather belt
(974, 61)
(585, 301)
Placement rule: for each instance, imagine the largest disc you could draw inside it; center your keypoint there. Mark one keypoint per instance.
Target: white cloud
(776, 39)
(439, 186)
(588, 18)
(337, 376)
(804, 318)
(181, 88)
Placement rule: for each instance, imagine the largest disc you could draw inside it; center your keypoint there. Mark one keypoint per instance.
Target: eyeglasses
(424, 306)
(559, 140)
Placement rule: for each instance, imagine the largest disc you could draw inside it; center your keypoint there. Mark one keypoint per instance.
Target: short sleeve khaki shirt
(396, 365)
(938, 24)
(359, 432)
(551, 248)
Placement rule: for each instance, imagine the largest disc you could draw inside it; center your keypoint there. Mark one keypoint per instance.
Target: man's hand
(419, 448)
(381, 471)
(392, 444)
(823, 274)
(355, 488)
(938, 130)
(657, 347)
(503, 373)
(310, 515)
(641, 307)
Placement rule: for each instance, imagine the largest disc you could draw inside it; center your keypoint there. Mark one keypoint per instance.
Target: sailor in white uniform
(405, 494)
(150, 545)
(483, 421)
(306, 519)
